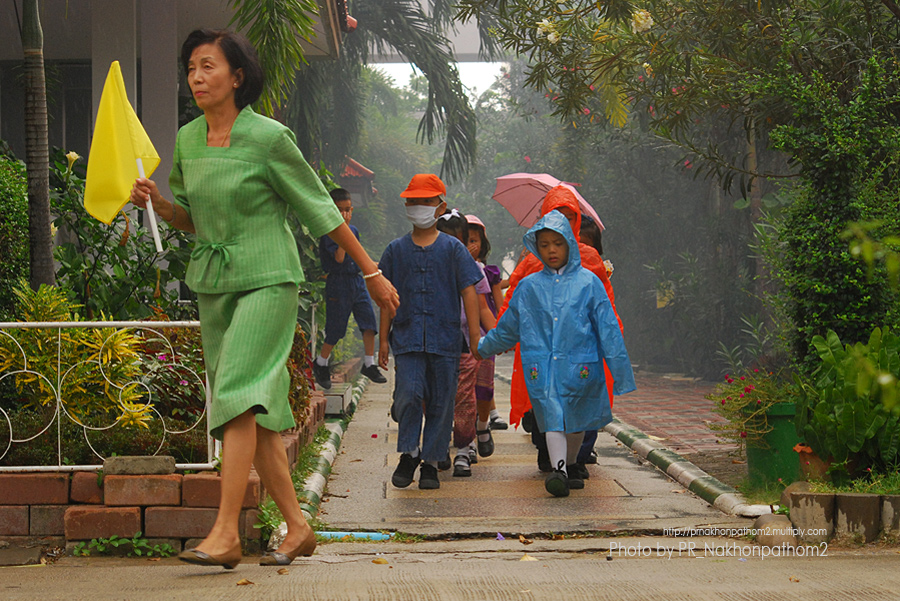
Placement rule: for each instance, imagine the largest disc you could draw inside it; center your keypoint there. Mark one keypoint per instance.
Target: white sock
(556, 448)
(414, 454)
(462, 454)
(369, 360)
(320, 360)
(494, 414)
(573, 442)
(480, 426)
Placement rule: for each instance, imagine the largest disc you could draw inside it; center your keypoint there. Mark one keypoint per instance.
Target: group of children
(446, 332)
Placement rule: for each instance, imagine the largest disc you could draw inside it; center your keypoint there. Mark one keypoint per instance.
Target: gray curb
(718, 494)
(311, 495)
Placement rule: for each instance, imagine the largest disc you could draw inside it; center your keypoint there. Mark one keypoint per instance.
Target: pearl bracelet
(371, 275)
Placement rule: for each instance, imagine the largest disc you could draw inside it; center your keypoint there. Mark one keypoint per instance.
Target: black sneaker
(323, 375)
(592, 458)
(445, 464)
(406, 471)
(428, 477)
(461, 467)
(544, 461)
(497, 423)
(486, 448)
(557, 483)
(578, 470)
(573, 477)
(473, 455)
(373, 373)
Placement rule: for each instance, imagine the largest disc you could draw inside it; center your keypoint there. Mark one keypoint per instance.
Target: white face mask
(421, 216)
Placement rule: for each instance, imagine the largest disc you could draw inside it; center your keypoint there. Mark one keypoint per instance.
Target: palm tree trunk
(37, 156)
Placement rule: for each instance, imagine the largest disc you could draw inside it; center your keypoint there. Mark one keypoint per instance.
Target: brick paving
(673, 408)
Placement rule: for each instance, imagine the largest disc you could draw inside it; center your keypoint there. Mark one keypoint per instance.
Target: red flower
(744, 435)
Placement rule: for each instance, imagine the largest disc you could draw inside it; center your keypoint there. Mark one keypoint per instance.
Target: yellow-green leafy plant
(93, 370)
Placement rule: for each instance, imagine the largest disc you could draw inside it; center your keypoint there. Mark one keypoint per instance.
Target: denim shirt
(327, 248)
(429, 280)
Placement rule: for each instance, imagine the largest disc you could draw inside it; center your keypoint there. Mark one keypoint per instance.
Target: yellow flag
(119, 139)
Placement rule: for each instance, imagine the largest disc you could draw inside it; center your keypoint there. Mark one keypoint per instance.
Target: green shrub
(113, 269)
(13, 232)
(850, 412)
(848, 145)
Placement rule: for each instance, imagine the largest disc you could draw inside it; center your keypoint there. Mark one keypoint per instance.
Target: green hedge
(13, 232)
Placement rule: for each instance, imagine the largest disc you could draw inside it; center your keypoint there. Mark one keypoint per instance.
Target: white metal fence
(56, 381)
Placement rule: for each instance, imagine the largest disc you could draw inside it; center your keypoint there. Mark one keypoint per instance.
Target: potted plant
(759, 411)
(849, 413)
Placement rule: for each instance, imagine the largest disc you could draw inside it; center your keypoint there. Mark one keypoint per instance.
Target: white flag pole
(150, 212)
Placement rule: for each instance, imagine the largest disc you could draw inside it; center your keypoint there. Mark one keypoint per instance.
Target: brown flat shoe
(305, 548)
(227, 560)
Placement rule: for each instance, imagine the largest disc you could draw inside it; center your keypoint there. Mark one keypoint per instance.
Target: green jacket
(238, 198)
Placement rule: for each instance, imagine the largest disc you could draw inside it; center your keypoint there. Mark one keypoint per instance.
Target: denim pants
(425, 386)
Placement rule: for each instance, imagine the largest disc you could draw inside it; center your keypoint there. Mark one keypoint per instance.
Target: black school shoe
(428, 477)
(573, 478)
(406, 471)
(323, 375)
(578, 470)
(485, 449)
(557, 483)
(461, 467)
(497, 423)
(373, 373)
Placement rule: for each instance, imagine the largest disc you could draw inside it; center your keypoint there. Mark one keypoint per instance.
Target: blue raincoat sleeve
(610, 342)
(504, 336)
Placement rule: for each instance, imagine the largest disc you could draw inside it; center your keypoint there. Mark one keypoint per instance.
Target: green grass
(876, 484)
(761, 494)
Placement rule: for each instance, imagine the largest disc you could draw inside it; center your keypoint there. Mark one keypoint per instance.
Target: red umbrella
(523, 193)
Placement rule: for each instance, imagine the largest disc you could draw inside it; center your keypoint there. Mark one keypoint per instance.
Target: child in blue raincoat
(566, 326)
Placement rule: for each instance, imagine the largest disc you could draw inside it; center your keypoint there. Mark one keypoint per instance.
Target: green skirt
(247, 337)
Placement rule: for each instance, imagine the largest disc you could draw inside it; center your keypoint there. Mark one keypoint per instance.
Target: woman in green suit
(234, 178)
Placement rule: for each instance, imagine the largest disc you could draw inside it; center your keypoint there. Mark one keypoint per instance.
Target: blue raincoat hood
(556, 221)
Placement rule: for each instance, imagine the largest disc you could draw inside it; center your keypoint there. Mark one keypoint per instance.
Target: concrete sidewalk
(505, 492)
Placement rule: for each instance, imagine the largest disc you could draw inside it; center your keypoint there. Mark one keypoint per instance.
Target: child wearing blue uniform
(563, 319)
(345, 293)
(431, 271)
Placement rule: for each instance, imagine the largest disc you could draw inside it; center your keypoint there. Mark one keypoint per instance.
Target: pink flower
(527, 159)
(591, 87)
(183, 382)
(687, 164)
(723, 401)
(162, 357)
(586, 111)
(743, 378)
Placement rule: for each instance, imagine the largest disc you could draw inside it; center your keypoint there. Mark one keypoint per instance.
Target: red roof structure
(357, 179)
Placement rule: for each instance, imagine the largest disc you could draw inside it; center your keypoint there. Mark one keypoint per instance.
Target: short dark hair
(239, 53)
(591, 234)
(453, 224)
(339, 194)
